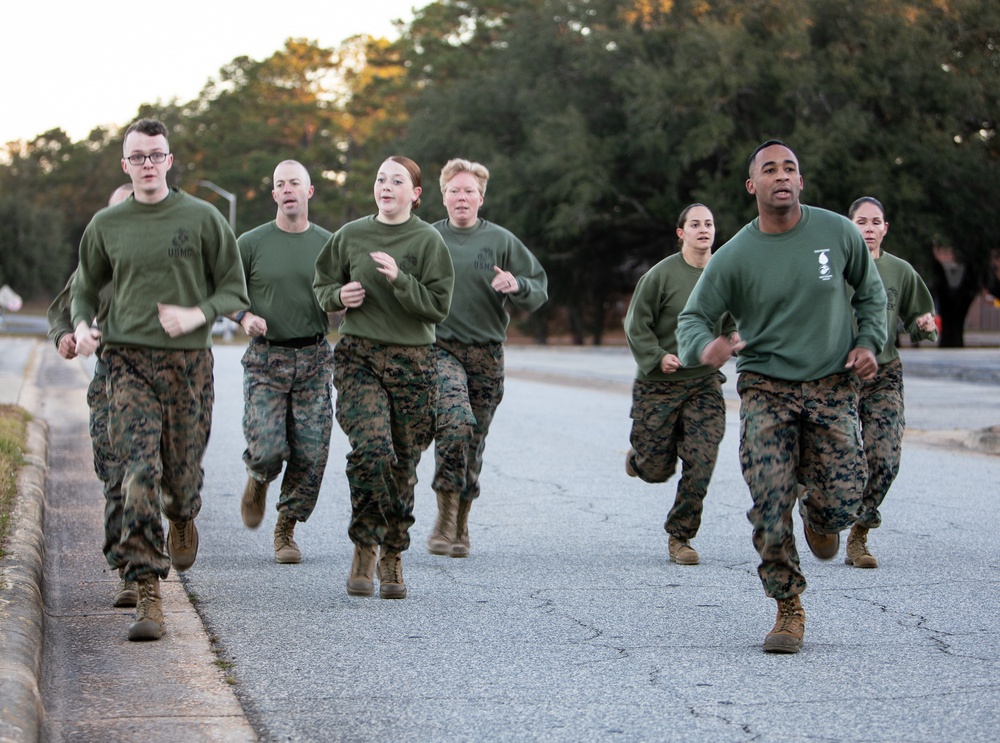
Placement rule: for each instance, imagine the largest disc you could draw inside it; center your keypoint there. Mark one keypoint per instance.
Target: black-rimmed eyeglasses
(156, 158)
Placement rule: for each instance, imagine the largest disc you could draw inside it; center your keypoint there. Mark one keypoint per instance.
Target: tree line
(599, 120)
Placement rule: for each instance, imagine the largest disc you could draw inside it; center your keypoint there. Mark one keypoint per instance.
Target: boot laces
(147, 595)
(286, 527)
(392, 569)
(182, 535)
(789, 618)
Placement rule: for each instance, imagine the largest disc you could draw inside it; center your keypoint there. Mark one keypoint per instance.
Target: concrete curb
(21, 604)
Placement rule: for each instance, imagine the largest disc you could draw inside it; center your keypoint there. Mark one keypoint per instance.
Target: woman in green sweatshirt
(677, 411)
(494, 270)
(881, 401)
(393, 277)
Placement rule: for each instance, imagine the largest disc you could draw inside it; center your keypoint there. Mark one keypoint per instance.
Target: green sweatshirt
(400, 313)
(279, 268)
(908, 299)
(60, 321)
(789, 296)
(477, 312)
(178, 251)
(651, 320)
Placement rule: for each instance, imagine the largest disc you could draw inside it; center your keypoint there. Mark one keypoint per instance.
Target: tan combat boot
(824, 546)
(361, 581)
(390, 576)
(253, 502)
(460, 546)
(857, 549)
(439, 541)
(629, 467)
(128, 591)
(682, 552)
(148, 624)
(182, 544)
(286, 551)
(790, 626)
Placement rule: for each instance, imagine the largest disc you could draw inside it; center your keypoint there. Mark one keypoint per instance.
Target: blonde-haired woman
(493, 270)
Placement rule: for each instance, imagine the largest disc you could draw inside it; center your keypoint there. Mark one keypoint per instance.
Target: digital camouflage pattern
(686, 419)
(470, 388)
(882, 424)
(288, 417)
(107, 466)
(161, 416)
(386, 400)
(792, 433)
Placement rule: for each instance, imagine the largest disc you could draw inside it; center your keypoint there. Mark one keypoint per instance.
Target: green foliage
(35, 255)
(599, 121)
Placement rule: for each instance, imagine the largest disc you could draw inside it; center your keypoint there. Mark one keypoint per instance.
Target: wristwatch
(240, 315)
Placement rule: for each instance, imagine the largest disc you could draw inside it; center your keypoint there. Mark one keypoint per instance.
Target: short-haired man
(792, 279)
(288, 412)
(106, 464)
(174, 266)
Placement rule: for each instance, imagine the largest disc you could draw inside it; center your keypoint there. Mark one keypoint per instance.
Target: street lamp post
(230, 197)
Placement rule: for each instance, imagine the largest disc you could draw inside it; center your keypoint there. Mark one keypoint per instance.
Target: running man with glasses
(174, 266)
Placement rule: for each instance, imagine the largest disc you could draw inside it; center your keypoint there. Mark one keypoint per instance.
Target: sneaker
(789, 628)
(127, 593)
(182, 544)
(252, 504)
(148, 624)
(824, 546)
(682, 552)
(286, 551)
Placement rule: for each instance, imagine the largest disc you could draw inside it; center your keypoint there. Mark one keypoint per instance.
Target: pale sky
(80, 65)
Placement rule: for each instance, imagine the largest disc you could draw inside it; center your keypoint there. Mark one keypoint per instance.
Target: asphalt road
(567, 622)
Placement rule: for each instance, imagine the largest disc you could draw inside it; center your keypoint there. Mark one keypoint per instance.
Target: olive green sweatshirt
(651, 320)
(179, 251)
(279, 268)
(401, 312)
(789, 294)
(477, 312)
(908, 298)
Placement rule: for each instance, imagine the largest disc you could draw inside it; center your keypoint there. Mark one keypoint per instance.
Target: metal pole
(230, 197)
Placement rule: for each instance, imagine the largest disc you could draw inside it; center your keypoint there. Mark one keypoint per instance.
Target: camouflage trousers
(107, 466)
(685, 419)
(798, 440)
(470, 387)
(386, 399)
(882, 424)
(288, 417)
(161, 416)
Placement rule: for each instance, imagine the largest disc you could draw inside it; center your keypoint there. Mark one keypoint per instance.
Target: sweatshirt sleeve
(225, 268)
(428, 296)
(640, 325)
(697, 321)
(916, 301)
(869, 298)
(532, 282)
(331, 274)
(60, 320)
(93, 272)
